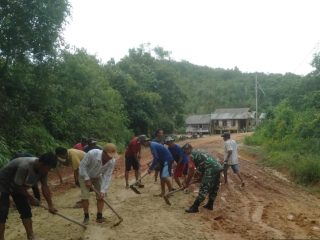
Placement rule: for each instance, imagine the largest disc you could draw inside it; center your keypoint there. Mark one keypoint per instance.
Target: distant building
(223, 119)
(231, 120)
(198, 124)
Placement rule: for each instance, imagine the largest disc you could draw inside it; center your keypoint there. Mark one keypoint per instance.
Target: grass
(293, 156)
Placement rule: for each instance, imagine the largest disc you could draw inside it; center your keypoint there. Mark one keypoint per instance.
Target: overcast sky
(271, 36)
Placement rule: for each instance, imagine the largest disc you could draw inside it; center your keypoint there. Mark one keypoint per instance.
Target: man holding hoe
(15, 178)
(96, 170)
(162, 158)
(132, 159)
(209, 169)
(180, 159)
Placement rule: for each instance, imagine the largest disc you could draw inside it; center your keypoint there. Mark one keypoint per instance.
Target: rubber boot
(209, 205)
(194, 208)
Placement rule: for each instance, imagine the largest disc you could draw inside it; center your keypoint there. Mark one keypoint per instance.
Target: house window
(224, 123)
(233, 123)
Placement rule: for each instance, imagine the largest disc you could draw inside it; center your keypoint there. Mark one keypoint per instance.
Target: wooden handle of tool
(142, 176)
(174, 191)
(179, 189)
(105, 201)
(67, 218)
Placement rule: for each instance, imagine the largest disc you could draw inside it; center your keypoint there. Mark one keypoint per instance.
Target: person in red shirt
(81, 145)
(132, 160)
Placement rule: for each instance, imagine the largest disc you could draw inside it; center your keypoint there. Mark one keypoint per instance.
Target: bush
(306, 170)
(4, 152)
(36, 140)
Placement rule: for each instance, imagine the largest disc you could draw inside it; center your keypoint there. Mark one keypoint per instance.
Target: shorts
(165, 170)
(132, 162)
(235, 167)
(180, 169)
(85, 191)
(21, 202)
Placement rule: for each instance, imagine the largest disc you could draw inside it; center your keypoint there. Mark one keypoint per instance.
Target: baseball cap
(169, 139)
(111, 150)
(225, 134)
(143, 138)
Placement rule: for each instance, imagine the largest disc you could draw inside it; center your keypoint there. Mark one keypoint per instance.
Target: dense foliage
(291, 133)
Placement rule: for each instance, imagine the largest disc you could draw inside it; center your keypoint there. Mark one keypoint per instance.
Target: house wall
(198, 128)
(230, 125)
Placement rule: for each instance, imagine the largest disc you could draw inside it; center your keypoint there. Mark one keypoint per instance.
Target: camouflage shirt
(204, 162)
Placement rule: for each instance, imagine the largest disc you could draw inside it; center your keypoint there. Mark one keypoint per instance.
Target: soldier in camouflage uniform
(209, 169)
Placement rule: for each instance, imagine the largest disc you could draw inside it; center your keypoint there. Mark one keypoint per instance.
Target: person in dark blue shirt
(179, 157)
(158, 138)
(162, 158)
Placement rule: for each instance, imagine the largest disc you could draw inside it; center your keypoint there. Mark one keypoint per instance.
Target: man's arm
(56, 169)
(106, 177)
(229, 153)
(19, 181)
(155, 160)
(191, 172)
(33, 201)
(47, 194)
(228, 147)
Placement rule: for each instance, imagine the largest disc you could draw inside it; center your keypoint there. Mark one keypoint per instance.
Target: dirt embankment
(269, 207)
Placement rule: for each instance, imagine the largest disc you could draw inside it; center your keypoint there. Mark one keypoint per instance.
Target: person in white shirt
(96, 169)
(231, 157)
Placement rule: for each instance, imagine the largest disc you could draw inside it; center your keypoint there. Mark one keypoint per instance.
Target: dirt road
(269, 207)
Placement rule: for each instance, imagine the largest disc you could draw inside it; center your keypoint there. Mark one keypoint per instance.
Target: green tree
(30, 29)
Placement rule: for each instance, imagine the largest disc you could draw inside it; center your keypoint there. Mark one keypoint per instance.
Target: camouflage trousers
(209, 185)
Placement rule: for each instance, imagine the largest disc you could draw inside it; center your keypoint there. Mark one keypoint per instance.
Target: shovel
(67, 218)
(132, 186)
(114, 211)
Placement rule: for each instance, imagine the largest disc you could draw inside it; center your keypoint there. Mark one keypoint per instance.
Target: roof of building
(231, 113)
(198, 119)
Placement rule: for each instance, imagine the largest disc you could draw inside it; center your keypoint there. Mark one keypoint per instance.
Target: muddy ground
(269, 207)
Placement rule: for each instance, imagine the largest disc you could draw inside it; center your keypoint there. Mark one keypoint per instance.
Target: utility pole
(256, 100)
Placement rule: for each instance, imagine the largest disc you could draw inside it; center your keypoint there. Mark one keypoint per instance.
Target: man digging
(15, 178)
(161, 157)
(209, 169)
(96, 169)
(132, 160)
